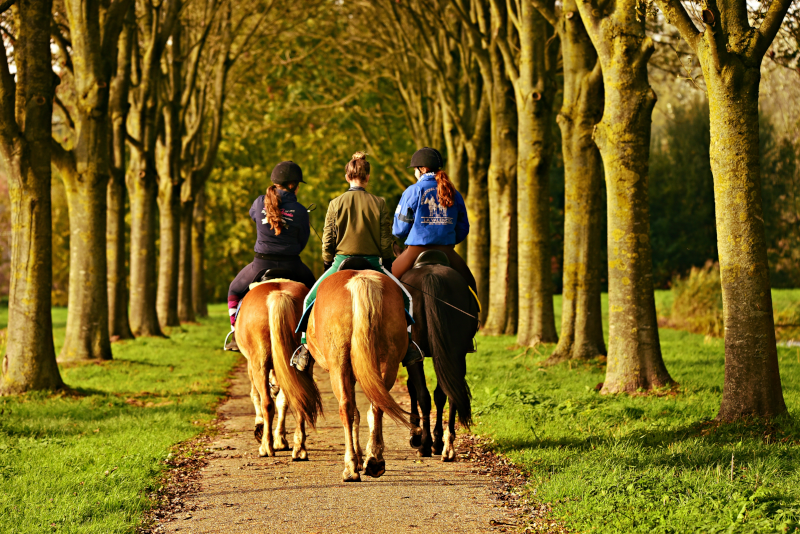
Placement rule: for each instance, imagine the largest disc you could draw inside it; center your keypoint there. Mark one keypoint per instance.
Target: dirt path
(240, 492)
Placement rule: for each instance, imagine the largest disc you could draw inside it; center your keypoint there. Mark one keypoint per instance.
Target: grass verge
(639, 463)
(86, 460)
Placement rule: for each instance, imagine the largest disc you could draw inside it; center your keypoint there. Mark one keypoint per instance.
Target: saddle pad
(272, 281)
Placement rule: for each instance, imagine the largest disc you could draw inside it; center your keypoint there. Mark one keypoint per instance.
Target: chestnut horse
(265, 335)
(357, 332)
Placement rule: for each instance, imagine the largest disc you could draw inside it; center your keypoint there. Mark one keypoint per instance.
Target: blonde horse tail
(299, 388)
(365, 291)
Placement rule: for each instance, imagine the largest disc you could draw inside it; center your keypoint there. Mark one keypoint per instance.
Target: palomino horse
(265, 335)
(446, 320)
(357, 332)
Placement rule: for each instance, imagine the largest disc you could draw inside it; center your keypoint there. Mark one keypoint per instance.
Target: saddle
(431, 257)
(271, 274)
(355, 263)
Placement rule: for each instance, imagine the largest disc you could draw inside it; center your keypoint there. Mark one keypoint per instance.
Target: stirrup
(408, 361)
(225, 345)
(300, 358)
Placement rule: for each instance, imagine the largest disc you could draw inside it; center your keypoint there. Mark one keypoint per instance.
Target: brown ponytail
(272, 205)
(445, 189)
(358, 167)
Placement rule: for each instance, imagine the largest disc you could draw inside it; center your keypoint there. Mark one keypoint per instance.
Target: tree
(617, 30)
(731, 51)
(154, 29)
(25, 144)
(581, 109)
(531, 70)
(93, 35)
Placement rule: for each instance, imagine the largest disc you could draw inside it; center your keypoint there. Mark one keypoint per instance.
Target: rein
(442, 301)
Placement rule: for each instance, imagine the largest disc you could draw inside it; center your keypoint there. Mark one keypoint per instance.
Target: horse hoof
(438, 448)
(375, 467)
(259, 432)
(415, 442)
(424, 452)
(263, 453)
(449, 456)
(300, 456)
(278, 446)
(350, 477)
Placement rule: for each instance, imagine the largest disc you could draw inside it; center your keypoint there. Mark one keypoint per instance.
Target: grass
(640, 463)
(85, 461)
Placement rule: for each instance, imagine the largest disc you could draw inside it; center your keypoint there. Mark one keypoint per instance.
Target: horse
(446, 320)
(357, 332)
(265, 335)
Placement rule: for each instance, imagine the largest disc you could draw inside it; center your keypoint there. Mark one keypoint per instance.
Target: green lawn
(640, 463)
(85, 462)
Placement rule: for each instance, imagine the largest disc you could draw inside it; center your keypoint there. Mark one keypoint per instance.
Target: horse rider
(358, 223)
(283, 229)
(431, 216)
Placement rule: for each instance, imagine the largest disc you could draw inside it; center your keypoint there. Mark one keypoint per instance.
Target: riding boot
(413, 354)
(231, 345)
(301, 358)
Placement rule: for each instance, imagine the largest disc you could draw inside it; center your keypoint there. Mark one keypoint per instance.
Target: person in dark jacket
(431, 216)
(282, 229)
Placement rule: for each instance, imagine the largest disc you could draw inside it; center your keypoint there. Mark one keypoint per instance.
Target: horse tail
(365, 290)
(299, 388)
(449, 361)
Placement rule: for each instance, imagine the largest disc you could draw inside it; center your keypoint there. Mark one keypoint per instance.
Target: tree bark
(478, 155)
(582, 107)
(185, 263)
(25, 141)
(623, 137)
(117, 275)
(198, 256)
(503, 288)
(535, 89)
(730, 53)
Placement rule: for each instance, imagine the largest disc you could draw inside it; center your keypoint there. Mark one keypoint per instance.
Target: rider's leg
(414, 353)
(236, 292)
(405, 261)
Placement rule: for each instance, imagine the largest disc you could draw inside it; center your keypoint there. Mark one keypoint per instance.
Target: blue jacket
(295, 232)
(423, 221)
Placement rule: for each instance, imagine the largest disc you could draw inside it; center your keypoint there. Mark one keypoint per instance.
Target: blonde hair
(358, 167)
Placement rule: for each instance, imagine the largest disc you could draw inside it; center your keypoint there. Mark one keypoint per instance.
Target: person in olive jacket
(358, 223)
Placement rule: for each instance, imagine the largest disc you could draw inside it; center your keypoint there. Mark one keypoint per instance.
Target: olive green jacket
(357, 224)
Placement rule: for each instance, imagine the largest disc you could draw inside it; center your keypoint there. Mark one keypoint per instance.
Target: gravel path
(240, 492)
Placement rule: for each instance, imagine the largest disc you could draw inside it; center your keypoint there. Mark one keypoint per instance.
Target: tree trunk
(143, 190)
(87, 320)
(198, 256)
(456, 164)
(535, 92)
(623, 137)
(169, 252)
(502, 312)
(117, 276)
(29, 362)
(581, 317)
(185, 300)
(478, 154)
(752, 380)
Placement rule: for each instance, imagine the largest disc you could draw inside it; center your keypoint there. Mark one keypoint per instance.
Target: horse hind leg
(375, 465)
(440, 399)
(299, 452)
(279, 442)
(449, 452)
(258, 430)
(344, 389)
(356, 437)
(267, 410)
(421, 442)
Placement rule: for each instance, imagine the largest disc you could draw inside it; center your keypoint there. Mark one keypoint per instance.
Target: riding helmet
(427, 157)
(287, 171)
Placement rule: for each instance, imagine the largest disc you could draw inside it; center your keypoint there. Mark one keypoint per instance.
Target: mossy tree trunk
(169, 187)
(198, 257)
(25, 140)
(582, 107)
(85, 170)
(142, 176)
(117, 275)
(730, 53)
(532, 73)
(623, 137)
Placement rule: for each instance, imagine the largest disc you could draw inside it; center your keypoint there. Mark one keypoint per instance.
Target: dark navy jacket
(423, 221)
(295, 232)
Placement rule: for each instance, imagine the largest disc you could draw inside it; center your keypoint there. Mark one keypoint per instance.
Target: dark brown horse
(446, 321)
(357, 332)
(265, 334)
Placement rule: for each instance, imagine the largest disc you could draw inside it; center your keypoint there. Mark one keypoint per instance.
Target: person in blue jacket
(282, 229)
(431, 216)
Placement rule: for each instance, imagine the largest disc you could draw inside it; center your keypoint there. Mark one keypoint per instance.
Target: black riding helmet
(285, 172)
(427, 157)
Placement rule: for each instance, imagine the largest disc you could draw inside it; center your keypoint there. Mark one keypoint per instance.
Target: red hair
(445, 189)
(272, 205)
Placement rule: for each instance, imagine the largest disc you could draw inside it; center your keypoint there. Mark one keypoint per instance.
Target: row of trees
(126, 98)
(482, 77)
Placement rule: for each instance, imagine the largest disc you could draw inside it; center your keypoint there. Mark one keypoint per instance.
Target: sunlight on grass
(84, 461)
